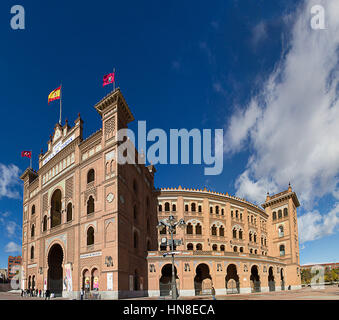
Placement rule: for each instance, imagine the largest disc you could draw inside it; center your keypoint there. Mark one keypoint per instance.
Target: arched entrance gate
(55, 271)
(255, 279)
(165, 282)
(232, 280)
(202, 280)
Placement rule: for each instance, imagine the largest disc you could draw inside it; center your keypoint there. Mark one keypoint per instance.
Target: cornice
(282, 197)
(213, 194)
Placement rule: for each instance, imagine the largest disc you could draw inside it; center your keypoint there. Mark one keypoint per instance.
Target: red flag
(108, 78)
(27, 154)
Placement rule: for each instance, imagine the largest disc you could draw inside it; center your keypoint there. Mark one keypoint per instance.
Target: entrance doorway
(271, 282)
(282, 279)
(232, 280)
(255, 279)
(202, 280)
(55, 271)
(165, 282)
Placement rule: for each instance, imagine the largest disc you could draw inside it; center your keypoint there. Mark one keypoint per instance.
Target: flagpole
(30, 161)
(60, 103)
(114, 79)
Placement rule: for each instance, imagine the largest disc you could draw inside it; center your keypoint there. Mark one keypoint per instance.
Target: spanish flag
(54, 95)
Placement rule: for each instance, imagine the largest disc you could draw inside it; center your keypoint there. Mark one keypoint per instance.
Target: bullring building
(90, 223)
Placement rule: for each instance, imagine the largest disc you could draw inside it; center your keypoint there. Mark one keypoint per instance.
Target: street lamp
(172, 224)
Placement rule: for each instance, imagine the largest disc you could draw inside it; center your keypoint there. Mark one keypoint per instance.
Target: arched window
(281, 231)
(282, 250)
(235, 249)
(199, 208)
(167, 206)
(274, 215)
(222, 211)
(216, 209)
(232, 214)
(251, 251)
(190, 246)
(32, 252)
(186, 207)
(32, 230)
(160, 207)
(33, 209)
(214, 247)
(90, 205)
(44, 224)
(250, 236)
(56, 208)
(255, 238)
(90, 176)
(174, 208)
(234, 233)
(241, 249)
(214, 230)
(198, 229)
(252, 219)
(69, 212)
(90, 236)
(285, 212)
(135, 240)
(240, 216)
(193, 207)
(255, 251)
(279, 214)
(265, 242)
(222, 248)
(240, 234)
(221, 231)
(199, 246)
(189, 228)
(211, 209)
(236, 214)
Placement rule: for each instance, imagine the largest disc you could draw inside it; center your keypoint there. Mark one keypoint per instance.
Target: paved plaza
(328, 293)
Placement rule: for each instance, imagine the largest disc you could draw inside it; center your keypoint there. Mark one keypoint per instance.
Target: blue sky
(237, 65)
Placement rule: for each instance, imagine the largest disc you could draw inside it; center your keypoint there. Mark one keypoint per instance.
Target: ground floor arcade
(196, 275)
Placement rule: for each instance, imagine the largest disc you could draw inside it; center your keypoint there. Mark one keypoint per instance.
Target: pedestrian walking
(47, 295)
(82, 294)
(213, 294)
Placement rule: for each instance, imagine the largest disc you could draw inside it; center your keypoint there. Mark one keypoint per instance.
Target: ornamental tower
(283, 241)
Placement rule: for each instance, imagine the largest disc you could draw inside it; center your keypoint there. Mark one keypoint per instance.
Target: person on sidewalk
(213, 294)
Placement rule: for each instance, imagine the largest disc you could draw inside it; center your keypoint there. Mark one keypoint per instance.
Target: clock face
(110, 197)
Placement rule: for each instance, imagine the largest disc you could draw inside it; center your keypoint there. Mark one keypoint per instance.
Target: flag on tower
(54, 95)
(108, 78)
(27, 154)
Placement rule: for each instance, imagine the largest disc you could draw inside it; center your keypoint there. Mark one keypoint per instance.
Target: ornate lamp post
(171, 224)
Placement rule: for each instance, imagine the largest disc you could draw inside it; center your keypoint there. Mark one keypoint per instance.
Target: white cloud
(291, 126)
(259, 33)
(12, 247)
(9, 180)
(12, 228)
(313, 225)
